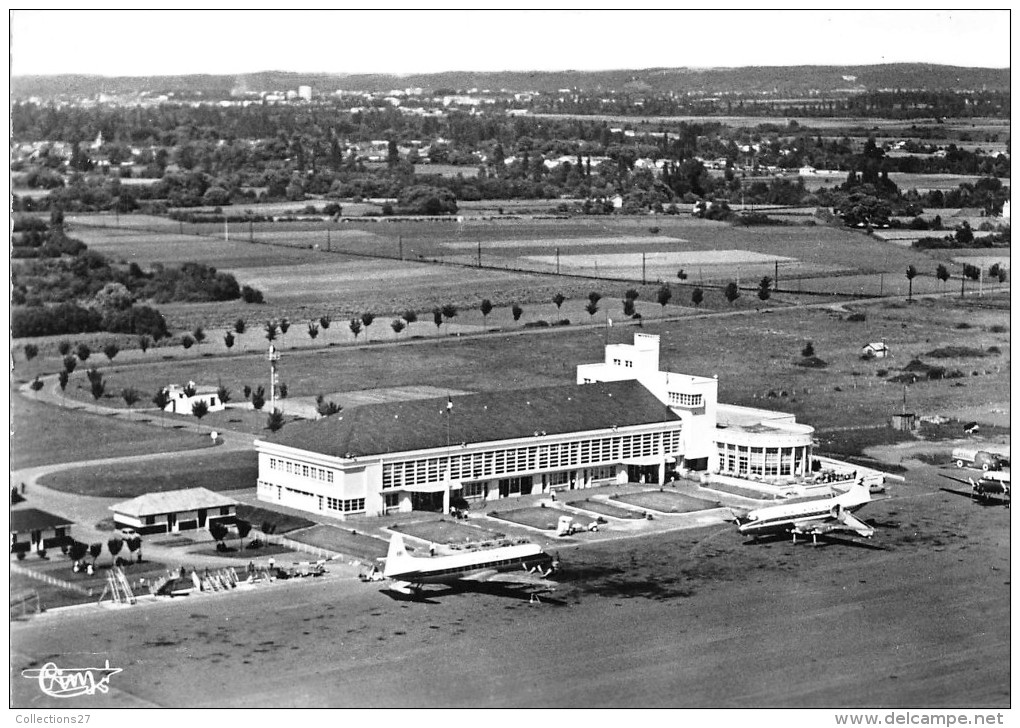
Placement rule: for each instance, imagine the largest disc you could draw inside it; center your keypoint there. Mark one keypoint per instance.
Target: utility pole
(251, 231)
(775, 285)
(329, 241)
(226, 229)
(273, 357)
(643, 268)
(557, 261)
(479, 253)
(400, 245)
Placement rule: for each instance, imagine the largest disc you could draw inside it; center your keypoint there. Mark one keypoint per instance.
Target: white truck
(983, 459)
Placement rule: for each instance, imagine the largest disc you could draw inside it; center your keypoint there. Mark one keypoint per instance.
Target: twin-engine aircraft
(993, 484)
(814, 518)
(524, 564)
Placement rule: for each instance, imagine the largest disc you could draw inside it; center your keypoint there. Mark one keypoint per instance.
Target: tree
(367, 319)
(270, 331)
(969, 271)
(664, 295)
(516, 310)
(246, 391)
(161, 399)
(223, 393)
(198, 334)
(631, 294)
(437, 316)
(997, 272)
(190, 390)
(187, 342)
(324, 322)
(409, 316)
(283, 390)
(258, 397)
(313, 330)
(324, 408)
(64, 347)
(239, 328)
(964, 235)
(592, 308)
(31, 352)
(200, 408)
(486, 308)
(594, 297)
(682, 274)
(243, 529)
(228, 339)
(114, 545)
(97, 384)
(218, 531)
(77, 551)
(558, 299)
(355, 326)
(628, 307)
(130, 395)
(942, 273)
(144, 342)
(94, 550)
(284, 327)
(275, 421)
(135, 544)
(697, 296)
(111, 350)
(36, 384)
(808, 350)
(449, 312)
(62, 379)
(911, 274)
(83, 351)
(70, 363)
(397, 325)
(765, 288)
(732, 293)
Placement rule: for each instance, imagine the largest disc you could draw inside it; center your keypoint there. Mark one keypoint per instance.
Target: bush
(251, 295)
(536, 324)
(856, 317)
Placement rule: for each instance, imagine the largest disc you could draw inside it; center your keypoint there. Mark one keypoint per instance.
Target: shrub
(856, 317)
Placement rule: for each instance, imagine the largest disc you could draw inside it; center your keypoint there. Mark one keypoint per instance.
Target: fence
(24, 604)
(319, 553)
(51, 580)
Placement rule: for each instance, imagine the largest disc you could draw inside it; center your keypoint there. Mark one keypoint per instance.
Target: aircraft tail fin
(396, 555)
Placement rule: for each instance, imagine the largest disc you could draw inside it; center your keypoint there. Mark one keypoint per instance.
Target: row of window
(350, 505)
(305, 471)
(626, 363)
(744, 460)
(555, 456)
(685, 400)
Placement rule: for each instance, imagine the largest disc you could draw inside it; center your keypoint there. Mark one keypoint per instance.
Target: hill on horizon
(745, 79)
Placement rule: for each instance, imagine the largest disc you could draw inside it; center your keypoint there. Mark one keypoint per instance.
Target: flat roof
(477, 418)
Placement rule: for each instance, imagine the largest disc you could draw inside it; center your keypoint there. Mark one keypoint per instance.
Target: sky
(135, 43)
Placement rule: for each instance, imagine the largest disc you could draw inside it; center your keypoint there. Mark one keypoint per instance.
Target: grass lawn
(284, 522)
(666, 501)
(442, 531)
(45, 434)
(217, 471)
(534, 516)
(605, 509)
(348, 542)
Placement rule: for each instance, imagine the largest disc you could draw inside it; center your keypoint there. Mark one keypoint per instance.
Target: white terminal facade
(624, 421)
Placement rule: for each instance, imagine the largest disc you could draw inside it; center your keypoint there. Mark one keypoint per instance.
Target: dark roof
(32, 519)
(475, 418)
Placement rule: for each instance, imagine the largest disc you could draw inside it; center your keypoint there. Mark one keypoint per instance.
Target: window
(272, 463)
(391, 500)
(628, 363)
(304, 470)
(149, 520)
(616, 362)
(225, 511)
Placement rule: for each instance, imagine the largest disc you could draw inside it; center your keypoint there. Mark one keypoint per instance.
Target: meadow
(755, 354)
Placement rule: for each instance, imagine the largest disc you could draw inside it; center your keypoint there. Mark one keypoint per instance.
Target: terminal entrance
(643, 474)
(427, 502)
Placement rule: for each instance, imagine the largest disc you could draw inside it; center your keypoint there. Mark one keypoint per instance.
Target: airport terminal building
(623, 421)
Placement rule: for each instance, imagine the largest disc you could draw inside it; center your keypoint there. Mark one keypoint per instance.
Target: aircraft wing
(527, 578)
(845, 522)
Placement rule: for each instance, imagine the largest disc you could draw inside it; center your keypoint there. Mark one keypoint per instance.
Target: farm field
(754, 354)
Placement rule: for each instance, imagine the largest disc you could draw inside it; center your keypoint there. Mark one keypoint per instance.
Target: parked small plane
(992, 484)
(814, 517)
(524, 564)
